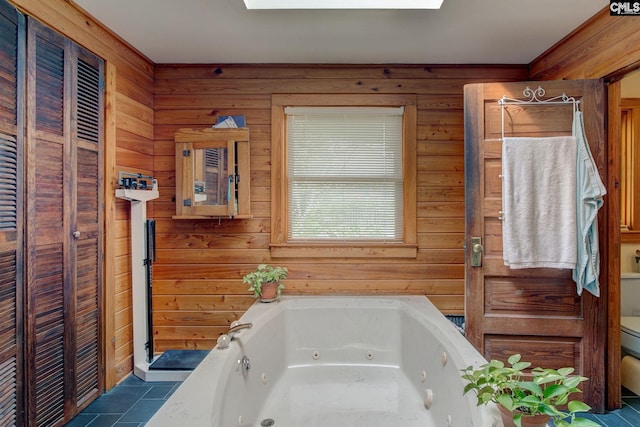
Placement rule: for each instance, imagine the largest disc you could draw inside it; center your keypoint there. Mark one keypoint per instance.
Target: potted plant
(520, 400)
(266, 282)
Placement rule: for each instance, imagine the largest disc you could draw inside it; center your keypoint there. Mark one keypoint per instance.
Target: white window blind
(344, 174)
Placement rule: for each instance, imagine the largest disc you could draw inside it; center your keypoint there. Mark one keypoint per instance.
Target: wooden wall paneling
(124, 348)
(138, 110)
(130, 141)
(123, 332)
(324, 71)
(110, 232)
(312, 86)
(441, 218)
(123, 319)
(162, 345)
(133, 81)
(602, 46)
(135, 125)
(210, 257)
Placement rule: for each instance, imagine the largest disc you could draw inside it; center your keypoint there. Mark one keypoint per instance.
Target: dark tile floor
(133, 402)
(627, 416)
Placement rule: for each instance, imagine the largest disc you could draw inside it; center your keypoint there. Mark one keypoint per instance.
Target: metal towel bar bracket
(534, 97)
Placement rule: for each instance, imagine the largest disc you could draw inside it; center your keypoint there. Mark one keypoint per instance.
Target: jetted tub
(354, 361)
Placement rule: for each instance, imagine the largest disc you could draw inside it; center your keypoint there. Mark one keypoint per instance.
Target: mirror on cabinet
(211, 176)
(212, 173)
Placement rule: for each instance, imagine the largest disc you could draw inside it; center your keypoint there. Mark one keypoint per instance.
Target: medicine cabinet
(212, 173)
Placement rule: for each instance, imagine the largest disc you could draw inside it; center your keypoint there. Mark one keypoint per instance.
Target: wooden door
(11, 147)
(63, 227)
(86, 215)
(534, 312)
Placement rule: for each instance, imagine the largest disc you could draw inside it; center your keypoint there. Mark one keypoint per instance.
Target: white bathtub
(333, 362)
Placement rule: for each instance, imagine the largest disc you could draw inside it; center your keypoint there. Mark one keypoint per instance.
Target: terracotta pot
(539, 420)
(269, 292)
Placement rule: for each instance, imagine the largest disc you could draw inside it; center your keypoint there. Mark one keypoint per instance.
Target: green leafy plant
(265, 274)
(544, 393)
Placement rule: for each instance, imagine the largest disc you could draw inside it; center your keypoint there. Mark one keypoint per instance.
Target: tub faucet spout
(225, 339)
(236, 327)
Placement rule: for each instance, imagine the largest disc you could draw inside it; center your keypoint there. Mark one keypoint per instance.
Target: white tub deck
(334, 361)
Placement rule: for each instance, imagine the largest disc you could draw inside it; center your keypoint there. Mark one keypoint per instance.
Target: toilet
(630, 330)
(630, 335)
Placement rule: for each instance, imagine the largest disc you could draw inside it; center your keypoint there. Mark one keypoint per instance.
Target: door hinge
(186, 153)
(186, 202)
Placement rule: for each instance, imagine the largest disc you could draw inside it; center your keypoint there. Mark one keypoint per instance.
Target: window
(343, 175)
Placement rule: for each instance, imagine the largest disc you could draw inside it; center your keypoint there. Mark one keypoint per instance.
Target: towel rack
(534, 97)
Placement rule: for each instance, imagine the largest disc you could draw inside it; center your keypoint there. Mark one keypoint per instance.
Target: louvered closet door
(87, 231)
(11, 102)
(63, 227)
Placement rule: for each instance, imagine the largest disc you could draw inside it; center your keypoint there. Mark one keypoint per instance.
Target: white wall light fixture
(343, 4)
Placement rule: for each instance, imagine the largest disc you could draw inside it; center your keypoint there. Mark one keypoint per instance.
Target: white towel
(538, 199)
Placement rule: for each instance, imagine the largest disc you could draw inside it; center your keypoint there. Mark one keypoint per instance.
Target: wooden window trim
(630, 202)
(280, 247)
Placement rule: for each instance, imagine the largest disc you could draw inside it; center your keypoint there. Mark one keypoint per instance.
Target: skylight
(343, 4)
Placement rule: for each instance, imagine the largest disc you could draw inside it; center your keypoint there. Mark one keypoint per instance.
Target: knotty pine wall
(128, 146)
(198, 286)
(603, 46)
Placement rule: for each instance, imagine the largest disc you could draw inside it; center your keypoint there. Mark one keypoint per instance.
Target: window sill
(336, 250)
(630, 237)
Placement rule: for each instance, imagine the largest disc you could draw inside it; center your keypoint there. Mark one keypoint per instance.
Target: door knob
(476, 251)
(76, 234)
